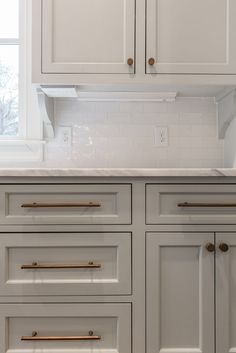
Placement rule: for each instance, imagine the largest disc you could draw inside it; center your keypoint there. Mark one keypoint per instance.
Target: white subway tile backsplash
(122, 134)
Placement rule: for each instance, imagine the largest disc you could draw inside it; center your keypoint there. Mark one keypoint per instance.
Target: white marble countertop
(117, 172)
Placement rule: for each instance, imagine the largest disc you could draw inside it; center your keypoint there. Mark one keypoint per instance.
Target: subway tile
(121, 134)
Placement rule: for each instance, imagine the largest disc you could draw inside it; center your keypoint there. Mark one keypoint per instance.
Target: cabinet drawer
(65, 264)
(64, 328)
(185, 204)
(65, 204)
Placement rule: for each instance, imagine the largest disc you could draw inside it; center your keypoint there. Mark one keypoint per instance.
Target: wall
(112, 134)
(230, 146)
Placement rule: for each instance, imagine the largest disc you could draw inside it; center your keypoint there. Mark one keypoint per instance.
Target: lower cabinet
(225, 292)
(180, 293)
(65, 264)
(191, 292)
(64, 328)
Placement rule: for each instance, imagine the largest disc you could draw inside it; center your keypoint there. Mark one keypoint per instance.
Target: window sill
(21, 150)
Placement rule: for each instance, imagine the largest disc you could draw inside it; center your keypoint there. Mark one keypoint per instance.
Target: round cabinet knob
(224, 247)
(210, 247)
(151, 61)
(130, 61)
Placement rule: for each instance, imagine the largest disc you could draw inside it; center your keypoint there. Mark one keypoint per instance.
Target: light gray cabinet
(65, 263)
(191, 36)
(147, 265)
(65, 204)
(83, 36)
(124, 41)
(191, 281)
(225, 292)
(106, 326)
(180, 292)
(190, 204)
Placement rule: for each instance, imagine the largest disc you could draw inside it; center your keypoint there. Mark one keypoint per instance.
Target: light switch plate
(65, 135)
(161, 136)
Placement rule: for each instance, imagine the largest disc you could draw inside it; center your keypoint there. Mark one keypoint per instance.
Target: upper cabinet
(191, 36)
(134, 41)
(87, 36)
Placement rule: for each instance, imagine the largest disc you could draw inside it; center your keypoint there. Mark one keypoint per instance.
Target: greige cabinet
(180, 292)
(65, 328)
(117, 265)
(124, 41)
(191, 280)
(225, 292)
(191, 36)
(66, 204)
(190, 204)
(65, 263)
(83, 36)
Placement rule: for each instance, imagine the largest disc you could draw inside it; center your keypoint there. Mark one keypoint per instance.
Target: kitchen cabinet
(180, 292)
(225, 292)
(191, 36)
(65, 263)
(66, 204)
(190, 204)
(147, 263)
(61, 327)
(86, 36)
(188, 276)
(79, 42)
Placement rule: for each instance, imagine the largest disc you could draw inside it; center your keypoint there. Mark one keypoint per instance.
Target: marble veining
(117, 172)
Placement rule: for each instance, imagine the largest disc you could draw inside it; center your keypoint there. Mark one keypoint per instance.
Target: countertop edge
(117, 172)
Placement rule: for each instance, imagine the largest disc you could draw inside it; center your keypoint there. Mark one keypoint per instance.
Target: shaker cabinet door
(87, 36)
(180, 292)
(226, 293)
(191, 36)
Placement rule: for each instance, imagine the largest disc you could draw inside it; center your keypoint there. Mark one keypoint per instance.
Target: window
(9, 67)
(19, 117)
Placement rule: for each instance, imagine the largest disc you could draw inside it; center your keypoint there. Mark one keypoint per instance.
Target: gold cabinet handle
(224, 247)
(77, 204)
(151, 61)
(210, 247)
(36, 266)
(130, 61)
(189, 204)
(35, 337)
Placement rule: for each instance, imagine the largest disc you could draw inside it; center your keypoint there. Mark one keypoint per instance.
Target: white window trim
(28, 147)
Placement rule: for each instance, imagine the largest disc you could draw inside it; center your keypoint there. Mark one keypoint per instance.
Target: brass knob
(210, 247)
(130, 61)
(151, 61)
(224, 247)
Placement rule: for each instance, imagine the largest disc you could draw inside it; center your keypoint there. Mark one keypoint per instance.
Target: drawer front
(65, 204)
(65, 328)
(65, 264)
(190, 204)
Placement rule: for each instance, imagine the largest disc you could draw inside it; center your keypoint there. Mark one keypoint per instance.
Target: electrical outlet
(64, 136)
(161, 136)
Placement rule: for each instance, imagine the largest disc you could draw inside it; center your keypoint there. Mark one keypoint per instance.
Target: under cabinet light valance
(106, 96)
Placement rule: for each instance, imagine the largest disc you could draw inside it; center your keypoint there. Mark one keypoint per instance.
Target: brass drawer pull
(37, 266)
(188, 204)
(42, 205)
(35, 337)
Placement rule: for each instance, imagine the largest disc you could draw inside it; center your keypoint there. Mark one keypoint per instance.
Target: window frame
(30, 137)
